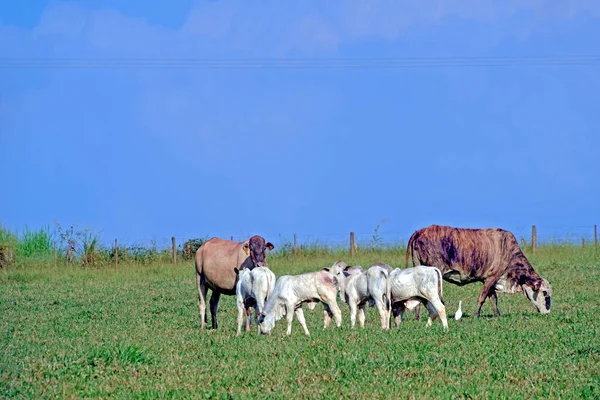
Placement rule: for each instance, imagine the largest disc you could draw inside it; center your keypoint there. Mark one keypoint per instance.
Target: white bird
(458, 314)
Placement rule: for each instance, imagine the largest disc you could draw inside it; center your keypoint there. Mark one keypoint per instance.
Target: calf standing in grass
(291, 291)
(357, 287)
(412, 286)
(253, 288)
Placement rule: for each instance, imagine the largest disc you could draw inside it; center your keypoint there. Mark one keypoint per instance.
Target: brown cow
(216, 263)
(490, 255)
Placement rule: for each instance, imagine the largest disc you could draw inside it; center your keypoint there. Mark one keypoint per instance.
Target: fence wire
(573, 235)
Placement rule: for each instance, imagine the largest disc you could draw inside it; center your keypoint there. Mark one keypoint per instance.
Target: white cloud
(225, 28)
(66, 20)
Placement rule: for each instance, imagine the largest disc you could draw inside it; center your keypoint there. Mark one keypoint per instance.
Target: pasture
(81, 332)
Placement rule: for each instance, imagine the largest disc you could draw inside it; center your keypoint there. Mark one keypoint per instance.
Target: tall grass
(35, 243)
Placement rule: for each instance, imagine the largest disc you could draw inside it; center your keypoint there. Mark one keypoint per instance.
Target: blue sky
(145, 154)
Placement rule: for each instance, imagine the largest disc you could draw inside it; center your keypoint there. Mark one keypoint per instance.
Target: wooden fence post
(582, 243)
(533, 239)
(232, 238)
(174, 250)
(523, 244)
(295, 242)
(116, 254)
(55, 253)
(351, 244)
(595, 236)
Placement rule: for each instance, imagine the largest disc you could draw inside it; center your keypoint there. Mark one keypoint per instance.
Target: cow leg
(337, 313)
(289, 316)
(437, 309)
(361, 315)
(353, 309)
(301, 320)
(258, 308)
(384, 316)
(398, 311)
(202, 289)
(418, 313)
(487, 287)
(327, 314)
(214, 305)
(432, 314)
(494, 297)
(248, 313)
(240, 319)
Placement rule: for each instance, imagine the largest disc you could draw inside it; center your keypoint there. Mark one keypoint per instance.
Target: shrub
(190, 247)
(8, 243)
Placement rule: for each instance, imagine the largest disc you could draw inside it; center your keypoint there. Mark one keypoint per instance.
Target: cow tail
(388, 292)
(268, 286)
(440, 288)
(409, 249)
(199, 257)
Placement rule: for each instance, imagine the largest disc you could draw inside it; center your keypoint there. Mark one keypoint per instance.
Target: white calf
(291, 291)
(252, 290)
(358, 286)
(412, 286)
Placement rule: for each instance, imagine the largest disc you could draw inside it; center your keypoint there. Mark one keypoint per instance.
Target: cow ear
(270, 246)
(347, 268)
(246, 247)
(326, 269)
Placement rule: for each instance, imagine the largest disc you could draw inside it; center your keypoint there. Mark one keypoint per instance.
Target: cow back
(217, 260)
(471, 254)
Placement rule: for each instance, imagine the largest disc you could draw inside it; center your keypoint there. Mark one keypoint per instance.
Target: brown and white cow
(490, 255)
(216, 263)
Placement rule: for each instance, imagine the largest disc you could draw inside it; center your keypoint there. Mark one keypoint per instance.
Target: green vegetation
(81, 247)
(135, 332)
(35, 244)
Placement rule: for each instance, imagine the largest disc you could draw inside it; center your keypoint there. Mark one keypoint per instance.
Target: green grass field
(73, 332)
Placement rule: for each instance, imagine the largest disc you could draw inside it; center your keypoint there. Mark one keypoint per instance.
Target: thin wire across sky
(295, 63)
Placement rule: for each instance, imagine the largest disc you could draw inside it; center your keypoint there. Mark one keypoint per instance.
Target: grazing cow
(216, 262)
(490, 255)
(252, 290)
(357, 287)
(412, 286)
(291, 291)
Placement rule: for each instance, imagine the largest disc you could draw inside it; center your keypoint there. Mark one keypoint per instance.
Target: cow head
(264, 325)
(255, 248)
(539, 293)
(341, 269)
(266, 322)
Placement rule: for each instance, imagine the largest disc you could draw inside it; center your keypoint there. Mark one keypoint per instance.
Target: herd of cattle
(457, 255)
